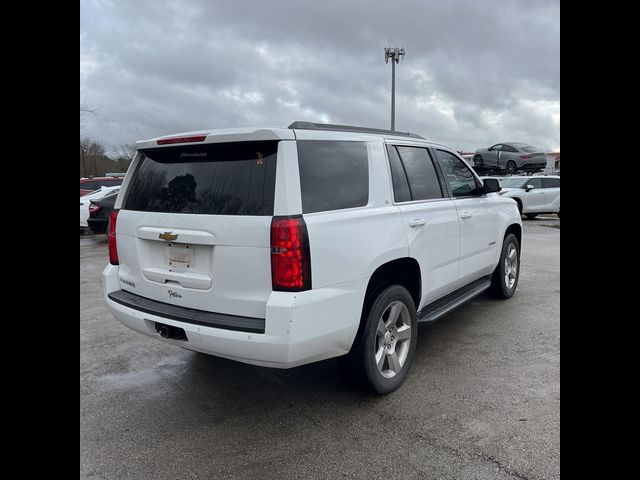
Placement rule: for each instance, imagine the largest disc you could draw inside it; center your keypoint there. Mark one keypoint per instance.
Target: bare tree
(125, 151)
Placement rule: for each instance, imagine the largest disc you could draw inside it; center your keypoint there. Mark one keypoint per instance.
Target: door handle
(466, 215)
(417, 222)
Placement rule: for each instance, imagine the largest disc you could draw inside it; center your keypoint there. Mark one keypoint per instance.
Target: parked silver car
(512, 157)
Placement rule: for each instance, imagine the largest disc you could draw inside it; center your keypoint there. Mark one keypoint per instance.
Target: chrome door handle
(417, 222)
(466, 215)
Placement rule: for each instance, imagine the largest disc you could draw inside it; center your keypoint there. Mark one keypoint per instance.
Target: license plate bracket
(179, 257)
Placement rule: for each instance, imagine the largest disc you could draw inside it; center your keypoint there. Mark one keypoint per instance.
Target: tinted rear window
(88, 186)
(422, 176)
(333, 175)
(214, 179)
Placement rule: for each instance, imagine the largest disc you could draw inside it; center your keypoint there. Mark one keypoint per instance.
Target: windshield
(513, 182)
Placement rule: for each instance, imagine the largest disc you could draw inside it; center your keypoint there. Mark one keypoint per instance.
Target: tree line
(95, 162)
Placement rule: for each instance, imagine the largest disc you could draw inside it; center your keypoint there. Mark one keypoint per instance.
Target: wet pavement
(482, 400)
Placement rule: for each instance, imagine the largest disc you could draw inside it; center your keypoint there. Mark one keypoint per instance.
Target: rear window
(213, 179)
(530, 149)
(333, 175)
(110, 183)
(88, 186)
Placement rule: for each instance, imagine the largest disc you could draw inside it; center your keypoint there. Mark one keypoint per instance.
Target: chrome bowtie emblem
(168, 236)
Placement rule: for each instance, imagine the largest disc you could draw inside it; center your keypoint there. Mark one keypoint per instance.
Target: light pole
(84, 168)
(394, 54)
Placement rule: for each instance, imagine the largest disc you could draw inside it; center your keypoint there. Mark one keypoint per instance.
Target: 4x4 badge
(168, 236)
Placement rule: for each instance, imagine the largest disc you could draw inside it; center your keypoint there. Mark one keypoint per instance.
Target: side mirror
(490, 148)
(491, 185)
(529, 187)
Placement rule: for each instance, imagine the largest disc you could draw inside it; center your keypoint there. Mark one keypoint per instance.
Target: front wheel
(505, 277)
(531, 216)
(383, 353)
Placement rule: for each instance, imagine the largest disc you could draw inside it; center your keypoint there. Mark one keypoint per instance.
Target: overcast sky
(476, 72)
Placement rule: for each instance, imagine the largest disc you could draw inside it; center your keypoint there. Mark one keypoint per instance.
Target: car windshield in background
(530, 149)
(513, 182)
(213, 179)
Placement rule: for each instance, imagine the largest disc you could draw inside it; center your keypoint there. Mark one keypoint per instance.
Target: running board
(437, 309)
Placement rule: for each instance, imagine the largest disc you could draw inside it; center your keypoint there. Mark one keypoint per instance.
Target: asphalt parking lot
(482, 400)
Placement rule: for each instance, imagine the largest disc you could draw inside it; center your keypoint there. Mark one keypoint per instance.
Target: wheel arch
(404, 271)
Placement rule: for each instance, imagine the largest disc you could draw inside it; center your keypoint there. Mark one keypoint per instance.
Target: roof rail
(301, 125)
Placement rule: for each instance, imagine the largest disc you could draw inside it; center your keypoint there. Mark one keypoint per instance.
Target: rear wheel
(477, 161)
(511, 167)
(382, 355)
(505, 277)
(531, 216)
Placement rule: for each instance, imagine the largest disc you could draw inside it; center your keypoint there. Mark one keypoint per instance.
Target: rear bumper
(299, 328)
(97, 225)
(532, 166)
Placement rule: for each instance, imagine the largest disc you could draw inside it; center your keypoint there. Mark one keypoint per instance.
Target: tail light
(93, 209)
(526, 157)
(111, 238)
(168, 141)
(290, 257)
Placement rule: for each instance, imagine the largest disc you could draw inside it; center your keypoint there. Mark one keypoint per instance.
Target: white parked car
(85, 200)
(284, 246)
(534, 195)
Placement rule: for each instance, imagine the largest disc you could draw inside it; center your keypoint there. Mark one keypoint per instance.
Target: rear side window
(421, 174)
(550, 183)
(401, 192)
(215, 179)
(333, 175)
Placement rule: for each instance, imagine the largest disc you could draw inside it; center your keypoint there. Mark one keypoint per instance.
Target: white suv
(534, 195)
(285, 246)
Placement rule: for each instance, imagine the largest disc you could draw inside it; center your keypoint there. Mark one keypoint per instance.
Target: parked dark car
(88, 185)
(513, 157)
(99, 211)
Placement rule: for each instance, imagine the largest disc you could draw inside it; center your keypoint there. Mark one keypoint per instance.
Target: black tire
(499, 287)
(511, 167)
(558, 213)
(531, 216)
(478, 161)
(360, 364)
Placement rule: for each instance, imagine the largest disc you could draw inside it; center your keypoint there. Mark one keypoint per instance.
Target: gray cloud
(475, 73)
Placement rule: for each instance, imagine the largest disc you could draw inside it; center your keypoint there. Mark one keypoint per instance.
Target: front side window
(535, 182)
(460, 178)
(333, 175)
